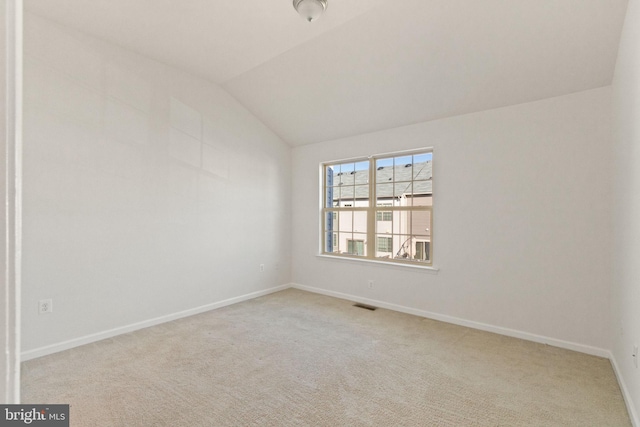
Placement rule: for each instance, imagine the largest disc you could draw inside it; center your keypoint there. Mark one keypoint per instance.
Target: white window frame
(372, 211)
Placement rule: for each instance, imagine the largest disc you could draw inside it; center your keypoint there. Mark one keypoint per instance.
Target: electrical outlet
(261, 267)
(370, 284)
(635, 355)
(45, 306)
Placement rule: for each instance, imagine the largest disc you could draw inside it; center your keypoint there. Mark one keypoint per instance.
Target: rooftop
(392, 181)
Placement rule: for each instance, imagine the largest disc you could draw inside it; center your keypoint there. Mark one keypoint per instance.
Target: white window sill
(427, 268)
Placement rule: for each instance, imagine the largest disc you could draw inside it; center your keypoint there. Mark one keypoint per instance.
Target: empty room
(321, 212)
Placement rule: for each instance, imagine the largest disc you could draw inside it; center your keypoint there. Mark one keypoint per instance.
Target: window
(355, 247)
(384, 244)
(422, 250)
(379, 208)
(384, 216)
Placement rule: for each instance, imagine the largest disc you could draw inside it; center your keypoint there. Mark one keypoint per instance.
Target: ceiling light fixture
(310, 9)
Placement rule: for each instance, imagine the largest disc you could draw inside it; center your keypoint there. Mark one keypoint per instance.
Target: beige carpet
(300, 359)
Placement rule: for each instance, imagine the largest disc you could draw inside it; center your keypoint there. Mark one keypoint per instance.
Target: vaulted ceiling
(365, 65)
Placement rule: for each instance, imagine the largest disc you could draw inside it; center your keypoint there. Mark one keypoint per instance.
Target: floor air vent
(365, 306)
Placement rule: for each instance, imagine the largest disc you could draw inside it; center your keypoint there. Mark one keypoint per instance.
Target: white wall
(148, 191)
(521, 220)
(626, 214)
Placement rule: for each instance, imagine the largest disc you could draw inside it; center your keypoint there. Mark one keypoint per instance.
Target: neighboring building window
(379, 207)
(384, 216)
(422, 250)
(384, 244)
(355, 247)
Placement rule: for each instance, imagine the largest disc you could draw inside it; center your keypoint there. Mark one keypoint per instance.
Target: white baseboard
(76, 342)
(631, 409)
(87, 339)
(594, 351)
(65, 345)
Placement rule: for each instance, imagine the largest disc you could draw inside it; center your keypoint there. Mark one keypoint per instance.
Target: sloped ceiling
(365, 65)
